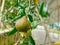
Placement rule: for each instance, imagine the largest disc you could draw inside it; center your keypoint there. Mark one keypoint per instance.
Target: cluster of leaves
(20, 8)
(15, 9)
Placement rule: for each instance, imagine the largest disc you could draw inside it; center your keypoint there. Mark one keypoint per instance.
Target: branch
(2, 7)
(17, 42)
(29, 3)
(5, 31)
(42, 22)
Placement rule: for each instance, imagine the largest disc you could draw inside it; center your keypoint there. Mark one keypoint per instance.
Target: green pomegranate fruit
(22, 24)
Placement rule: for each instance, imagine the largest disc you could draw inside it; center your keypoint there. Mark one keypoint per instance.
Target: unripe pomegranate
(22, 24)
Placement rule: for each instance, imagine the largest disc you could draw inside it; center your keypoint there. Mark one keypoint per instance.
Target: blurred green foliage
(27, 41)
(15, 9)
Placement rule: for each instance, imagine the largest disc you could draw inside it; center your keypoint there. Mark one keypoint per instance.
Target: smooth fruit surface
(22, 24)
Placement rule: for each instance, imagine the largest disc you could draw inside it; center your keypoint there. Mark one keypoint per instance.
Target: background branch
(2, 8)
(46, 29)
(17, 42)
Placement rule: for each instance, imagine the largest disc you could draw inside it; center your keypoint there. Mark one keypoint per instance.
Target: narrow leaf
(12, 32)
(43, 9)
(30, 18)
(31, 41)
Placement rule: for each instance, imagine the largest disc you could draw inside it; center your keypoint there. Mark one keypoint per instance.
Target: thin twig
(5, 31)
(29, 3)
(17, 42)
(47, 34)
(27, 12)
(2, 8)
(42, 22)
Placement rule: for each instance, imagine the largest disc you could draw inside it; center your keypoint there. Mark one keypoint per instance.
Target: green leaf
(43, 9)
(21, 13)
(23, 4)
(30, 18)
(12, 32)
(16, 18)
(23, 41)
(17, 3)
(31, 41)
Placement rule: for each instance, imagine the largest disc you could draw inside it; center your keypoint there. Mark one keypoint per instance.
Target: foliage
(16, 9)
(28, 41)
(43, 9)
(19, 8)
